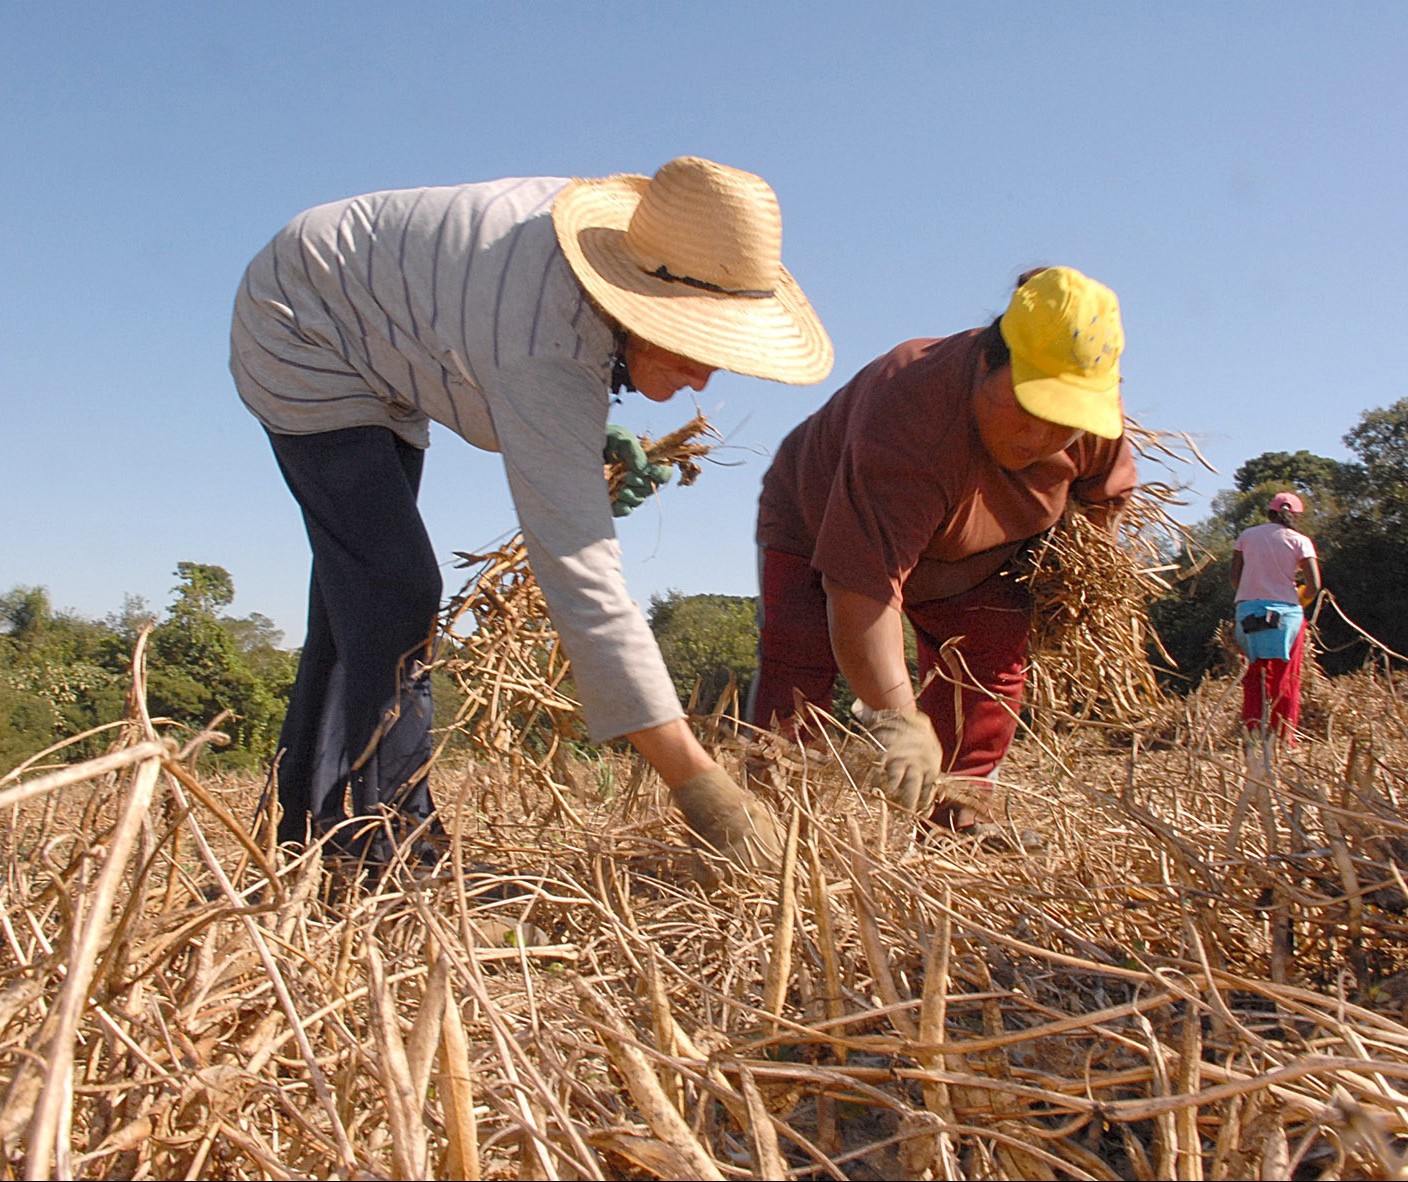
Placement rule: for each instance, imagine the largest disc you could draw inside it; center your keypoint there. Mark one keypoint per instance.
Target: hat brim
(778, 337)
(1069, 402)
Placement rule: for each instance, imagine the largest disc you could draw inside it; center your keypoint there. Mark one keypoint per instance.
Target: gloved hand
(911, 756)
(725, 818)
(641, 477)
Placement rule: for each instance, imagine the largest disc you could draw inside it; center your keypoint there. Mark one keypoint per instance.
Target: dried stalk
(1125, 1002)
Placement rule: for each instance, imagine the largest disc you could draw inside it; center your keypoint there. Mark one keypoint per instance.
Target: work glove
(641, 478)
(911, 757)
(724, 818)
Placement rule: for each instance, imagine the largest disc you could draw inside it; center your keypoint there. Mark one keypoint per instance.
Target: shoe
(367, 844)
(992, 837)
(1002, 839)
(425, 854)
(486, 883)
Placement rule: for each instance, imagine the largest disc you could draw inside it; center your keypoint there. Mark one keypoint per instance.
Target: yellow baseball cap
(1064, 333)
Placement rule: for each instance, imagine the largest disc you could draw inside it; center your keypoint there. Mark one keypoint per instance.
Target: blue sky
(1236, 172)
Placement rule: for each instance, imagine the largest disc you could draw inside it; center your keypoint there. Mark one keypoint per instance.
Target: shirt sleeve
(550, 418)
(885, 505)
(1108, 476)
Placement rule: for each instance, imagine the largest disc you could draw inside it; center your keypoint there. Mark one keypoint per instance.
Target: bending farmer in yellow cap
(908, 494)
(505, 311)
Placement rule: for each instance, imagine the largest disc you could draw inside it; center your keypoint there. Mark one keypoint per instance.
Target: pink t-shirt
(1271, 552)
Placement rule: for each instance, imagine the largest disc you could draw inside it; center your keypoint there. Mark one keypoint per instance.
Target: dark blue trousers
(358, 721)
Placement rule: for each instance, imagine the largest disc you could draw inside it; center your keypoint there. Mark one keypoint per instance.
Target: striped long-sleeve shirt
(455, 304)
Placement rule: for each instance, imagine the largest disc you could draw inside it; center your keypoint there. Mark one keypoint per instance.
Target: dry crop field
(1200, 974)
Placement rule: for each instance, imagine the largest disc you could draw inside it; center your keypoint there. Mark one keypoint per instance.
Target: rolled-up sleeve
(550, 418)
(884, 506)
(1107, 473)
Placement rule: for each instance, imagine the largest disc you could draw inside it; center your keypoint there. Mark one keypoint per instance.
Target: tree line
(62, 675)
(1356, 512)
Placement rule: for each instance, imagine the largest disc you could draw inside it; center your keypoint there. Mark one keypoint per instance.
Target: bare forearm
(867, 639)
(1310, 571)
(672, 750)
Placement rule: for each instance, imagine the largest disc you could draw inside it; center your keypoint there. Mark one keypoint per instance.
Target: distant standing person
(908, 494)
(509, 312)
(1270, 628)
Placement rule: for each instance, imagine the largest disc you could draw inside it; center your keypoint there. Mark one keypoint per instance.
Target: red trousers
(1271, 692)
(986, 630)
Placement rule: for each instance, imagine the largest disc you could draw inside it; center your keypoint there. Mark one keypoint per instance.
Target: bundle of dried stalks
(499, 645)
(1200, 976)
(1091, 592)
(501, 649)
(683, 448)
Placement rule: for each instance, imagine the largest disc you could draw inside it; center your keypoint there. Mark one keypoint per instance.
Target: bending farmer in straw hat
(909, 493)
(508, 312)
(1267, 561)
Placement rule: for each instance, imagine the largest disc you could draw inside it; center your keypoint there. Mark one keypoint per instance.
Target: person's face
(659, 374)
(1013, 437)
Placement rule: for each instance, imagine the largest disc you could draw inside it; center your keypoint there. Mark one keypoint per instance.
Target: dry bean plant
(1199, 974)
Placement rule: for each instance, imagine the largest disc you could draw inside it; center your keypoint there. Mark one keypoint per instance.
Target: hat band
(662, 272)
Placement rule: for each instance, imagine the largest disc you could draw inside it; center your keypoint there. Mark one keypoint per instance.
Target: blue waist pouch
(1266, 629)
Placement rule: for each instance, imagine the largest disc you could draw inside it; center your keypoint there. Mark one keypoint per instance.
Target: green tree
(202, 591)
(28, 724)
(1356, 513)
(1302, 471)
(1187, 620)
(1364, 551)
(1381, 489)
(61, 675)
(26, 616)
(706, 641)
(58, 675)
(1323, 484)
(202, 663)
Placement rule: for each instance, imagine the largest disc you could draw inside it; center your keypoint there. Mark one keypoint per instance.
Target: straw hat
(691, 260)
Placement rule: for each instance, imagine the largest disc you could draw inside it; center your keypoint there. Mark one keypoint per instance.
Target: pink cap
(1286, 500)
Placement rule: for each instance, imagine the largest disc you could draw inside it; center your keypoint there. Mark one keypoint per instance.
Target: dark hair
(993, 347)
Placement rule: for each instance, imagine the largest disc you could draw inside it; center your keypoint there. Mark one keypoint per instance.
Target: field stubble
(1200, 974)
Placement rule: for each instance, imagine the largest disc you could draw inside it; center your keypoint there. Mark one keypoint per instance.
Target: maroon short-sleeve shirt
(889, 491)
